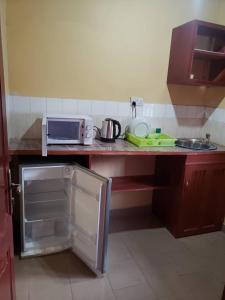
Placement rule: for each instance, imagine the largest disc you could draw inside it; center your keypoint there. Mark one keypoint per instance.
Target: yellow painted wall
(97, 49)
(4, 41)
(221, 14)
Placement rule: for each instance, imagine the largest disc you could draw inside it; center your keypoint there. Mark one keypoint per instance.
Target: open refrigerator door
(90, 218)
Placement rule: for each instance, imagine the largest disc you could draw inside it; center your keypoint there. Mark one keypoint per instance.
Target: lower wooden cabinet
(196, 203)
(203, 197)
(188, 190)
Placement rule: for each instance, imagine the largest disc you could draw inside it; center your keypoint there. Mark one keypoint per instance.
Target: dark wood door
(7, 280)
(223, 297)
(202, 205)
(213, 205)
(191, 199)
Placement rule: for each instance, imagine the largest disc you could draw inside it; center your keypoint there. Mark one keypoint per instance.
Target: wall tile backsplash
(24, 116)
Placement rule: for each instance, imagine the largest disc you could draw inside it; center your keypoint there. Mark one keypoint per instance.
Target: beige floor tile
(23, 266)
(22, 289)
(137, 292)
(49, 277)
(214, 236)
(146, 259)
(77, 271)
(204, 294)
(117, 251)
(206, 245)
(184, 297)
(95, 289)
(202, 286)
(186, 262)
(143, 264)
(157, 240)
(218, 267)
(61, 267)
(52, 267)
(164, 282)
(194, 281)
(22, 278)
(47, 289)
(125, 273)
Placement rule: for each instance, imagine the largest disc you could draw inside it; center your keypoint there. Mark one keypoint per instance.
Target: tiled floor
(143, 265)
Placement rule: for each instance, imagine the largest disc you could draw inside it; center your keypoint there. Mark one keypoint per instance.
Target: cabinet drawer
(207, 158)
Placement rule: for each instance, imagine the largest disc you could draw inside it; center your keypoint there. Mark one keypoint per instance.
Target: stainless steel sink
(195, 144)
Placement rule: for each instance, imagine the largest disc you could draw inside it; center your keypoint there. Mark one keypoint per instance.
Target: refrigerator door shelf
(45, 246)
(90, 217)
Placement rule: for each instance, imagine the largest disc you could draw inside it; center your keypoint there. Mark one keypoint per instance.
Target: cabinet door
(45, 208)
(213, 205)
(90, 217)
(202, 205)
(191, 199)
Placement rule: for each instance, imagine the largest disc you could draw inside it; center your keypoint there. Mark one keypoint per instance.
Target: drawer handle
(3, 266)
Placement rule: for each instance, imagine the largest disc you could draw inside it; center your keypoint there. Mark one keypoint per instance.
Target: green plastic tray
(153, 139)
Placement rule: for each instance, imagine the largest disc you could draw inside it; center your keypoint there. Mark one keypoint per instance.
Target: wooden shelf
(134, 183)
(135, 218)
(210, 55)
(195, 82)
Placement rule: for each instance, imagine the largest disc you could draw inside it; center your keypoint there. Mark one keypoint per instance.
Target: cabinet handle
(10, 192)
(11, 186)
(187, 183)
(17, 186)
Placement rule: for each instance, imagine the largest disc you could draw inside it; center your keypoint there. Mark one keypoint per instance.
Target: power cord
(134, 109)
(97, 130)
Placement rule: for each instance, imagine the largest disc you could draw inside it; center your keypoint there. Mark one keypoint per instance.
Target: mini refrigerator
(65, 206)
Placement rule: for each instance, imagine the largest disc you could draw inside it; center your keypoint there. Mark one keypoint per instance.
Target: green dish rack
(152, 140)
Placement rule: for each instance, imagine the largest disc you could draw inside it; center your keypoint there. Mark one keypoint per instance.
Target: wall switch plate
(138, 100)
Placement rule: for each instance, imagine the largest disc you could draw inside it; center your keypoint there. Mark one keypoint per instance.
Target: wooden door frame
(3, 121)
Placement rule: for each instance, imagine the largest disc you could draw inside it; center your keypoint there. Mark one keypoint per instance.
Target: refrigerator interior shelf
(40, 197)
(52, 241)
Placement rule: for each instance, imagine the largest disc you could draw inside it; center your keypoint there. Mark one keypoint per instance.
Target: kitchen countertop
(121, 147)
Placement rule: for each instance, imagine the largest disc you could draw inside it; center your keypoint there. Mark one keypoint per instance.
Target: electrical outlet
(138, 100)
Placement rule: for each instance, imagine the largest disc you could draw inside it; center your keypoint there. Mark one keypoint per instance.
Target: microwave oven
(66, 130)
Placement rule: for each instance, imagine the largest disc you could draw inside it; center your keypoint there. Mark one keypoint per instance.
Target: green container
(153, 140)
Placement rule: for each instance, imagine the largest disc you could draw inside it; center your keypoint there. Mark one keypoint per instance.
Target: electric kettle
(110, 131)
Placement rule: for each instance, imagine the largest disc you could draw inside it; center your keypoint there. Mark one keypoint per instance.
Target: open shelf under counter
(134, 218)
(134, 183)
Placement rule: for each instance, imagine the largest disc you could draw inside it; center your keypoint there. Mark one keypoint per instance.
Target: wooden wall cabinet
(197, 203)
(197, 54)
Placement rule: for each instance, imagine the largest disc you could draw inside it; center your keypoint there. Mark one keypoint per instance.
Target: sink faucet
(207, 138)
